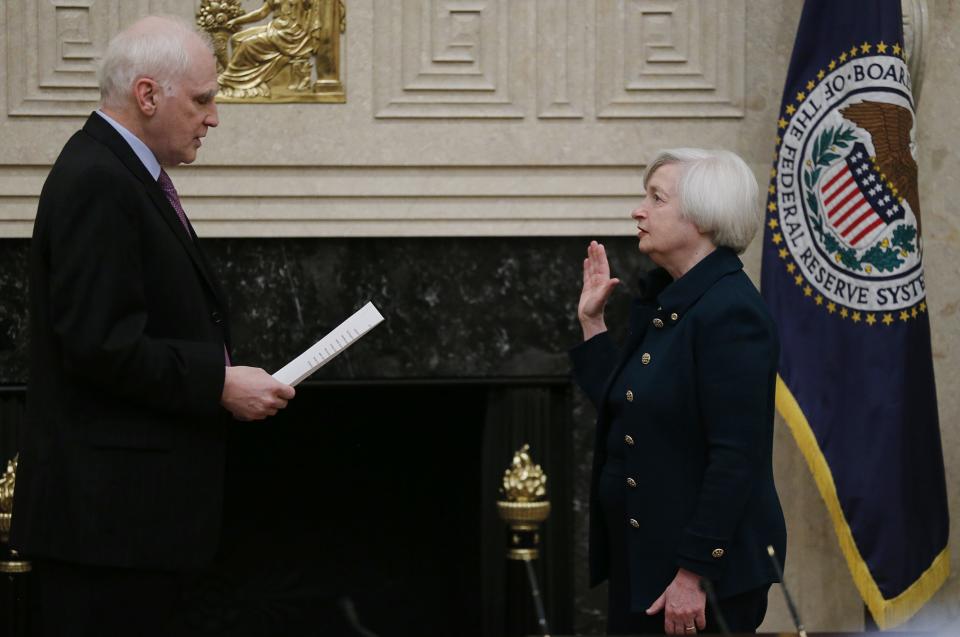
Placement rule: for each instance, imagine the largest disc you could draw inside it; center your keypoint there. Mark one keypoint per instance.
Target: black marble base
(454, 308)
(14, 255)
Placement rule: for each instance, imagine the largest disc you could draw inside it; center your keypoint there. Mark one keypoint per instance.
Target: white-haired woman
(682, 487)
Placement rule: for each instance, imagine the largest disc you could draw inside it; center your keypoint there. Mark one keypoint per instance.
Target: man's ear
(146, 93)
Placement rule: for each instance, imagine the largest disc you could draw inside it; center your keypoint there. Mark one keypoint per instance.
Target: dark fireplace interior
(366, 495)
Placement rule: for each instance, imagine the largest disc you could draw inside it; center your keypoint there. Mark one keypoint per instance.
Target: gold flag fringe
(887, 613)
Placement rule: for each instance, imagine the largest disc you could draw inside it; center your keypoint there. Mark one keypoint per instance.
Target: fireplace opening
(374, 503)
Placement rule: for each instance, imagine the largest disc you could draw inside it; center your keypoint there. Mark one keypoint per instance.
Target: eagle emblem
(889, 126)
(845, 203)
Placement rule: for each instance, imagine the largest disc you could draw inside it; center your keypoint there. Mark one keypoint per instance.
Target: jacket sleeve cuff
(703, 555)
(206, 370)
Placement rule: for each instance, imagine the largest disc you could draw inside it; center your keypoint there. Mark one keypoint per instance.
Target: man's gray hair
(718, 193)
(154, 47)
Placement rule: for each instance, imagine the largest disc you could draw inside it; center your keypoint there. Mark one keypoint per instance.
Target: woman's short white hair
(718, 193)
(154, 47)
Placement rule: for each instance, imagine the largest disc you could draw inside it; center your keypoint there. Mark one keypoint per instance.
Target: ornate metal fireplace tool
(524, 508)
(13, 584)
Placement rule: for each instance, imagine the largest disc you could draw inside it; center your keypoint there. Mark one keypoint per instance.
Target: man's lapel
(99, 129)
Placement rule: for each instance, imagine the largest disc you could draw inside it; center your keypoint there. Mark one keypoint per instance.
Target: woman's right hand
(597, 287)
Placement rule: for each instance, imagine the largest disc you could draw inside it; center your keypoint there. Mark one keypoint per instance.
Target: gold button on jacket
(634, 523)
(717, 553)
(628, 439)
(631, 482)
(657, 323)
(646, 358)
(629, 396)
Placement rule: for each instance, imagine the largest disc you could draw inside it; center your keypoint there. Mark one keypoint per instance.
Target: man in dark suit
(119, 492)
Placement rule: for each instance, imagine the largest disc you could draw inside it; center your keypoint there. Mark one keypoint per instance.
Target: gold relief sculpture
(294, 57)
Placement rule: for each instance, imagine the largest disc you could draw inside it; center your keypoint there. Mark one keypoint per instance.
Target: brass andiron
(524, 508)
(13, 587)
(7, 482)
(525, 505)
(6, 500)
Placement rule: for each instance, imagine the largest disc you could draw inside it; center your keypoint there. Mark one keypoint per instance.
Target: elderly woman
(682, 474)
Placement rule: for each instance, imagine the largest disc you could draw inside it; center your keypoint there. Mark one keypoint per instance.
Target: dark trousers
(80, 600)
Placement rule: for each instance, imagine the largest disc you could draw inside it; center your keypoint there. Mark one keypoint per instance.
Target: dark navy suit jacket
(701, 421)
(122, 457)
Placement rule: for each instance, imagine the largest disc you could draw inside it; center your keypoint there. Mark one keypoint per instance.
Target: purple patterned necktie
(166, 185)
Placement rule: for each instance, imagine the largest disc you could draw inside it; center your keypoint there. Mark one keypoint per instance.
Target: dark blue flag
(843, 275)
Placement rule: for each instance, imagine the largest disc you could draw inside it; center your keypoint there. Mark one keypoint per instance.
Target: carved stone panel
(670, 58)
(448, 58)
(52, 52)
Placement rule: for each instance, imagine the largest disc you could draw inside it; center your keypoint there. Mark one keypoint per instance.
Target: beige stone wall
(507, 117)
(480, 117)
(940, 191)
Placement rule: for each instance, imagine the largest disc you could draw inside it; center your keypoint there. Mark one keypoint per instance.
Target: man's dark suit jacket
(122, 457)
(702, 423)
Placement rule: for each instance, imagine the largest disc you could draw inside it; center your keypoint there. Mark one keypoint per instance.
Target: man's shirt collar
(145, 155)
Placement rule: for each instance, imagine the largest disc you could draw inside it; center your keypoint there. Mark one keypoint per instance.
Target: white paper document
(327, 348)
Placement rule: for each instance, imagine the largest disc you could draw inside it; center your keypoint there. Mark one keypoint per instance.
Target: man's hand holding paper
(250, 393)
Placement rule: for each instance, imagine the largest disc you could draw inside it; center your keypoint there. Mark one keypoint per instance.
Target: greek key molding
(53, 47)
(447, 58)
(670, 58)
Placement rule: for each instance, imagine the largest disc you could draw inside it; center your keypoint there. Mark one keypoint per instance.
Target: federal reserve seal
(844, 208)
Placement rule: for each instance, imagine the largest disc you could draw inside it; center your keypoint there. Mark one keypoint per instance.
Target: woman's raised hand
(597, 287)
